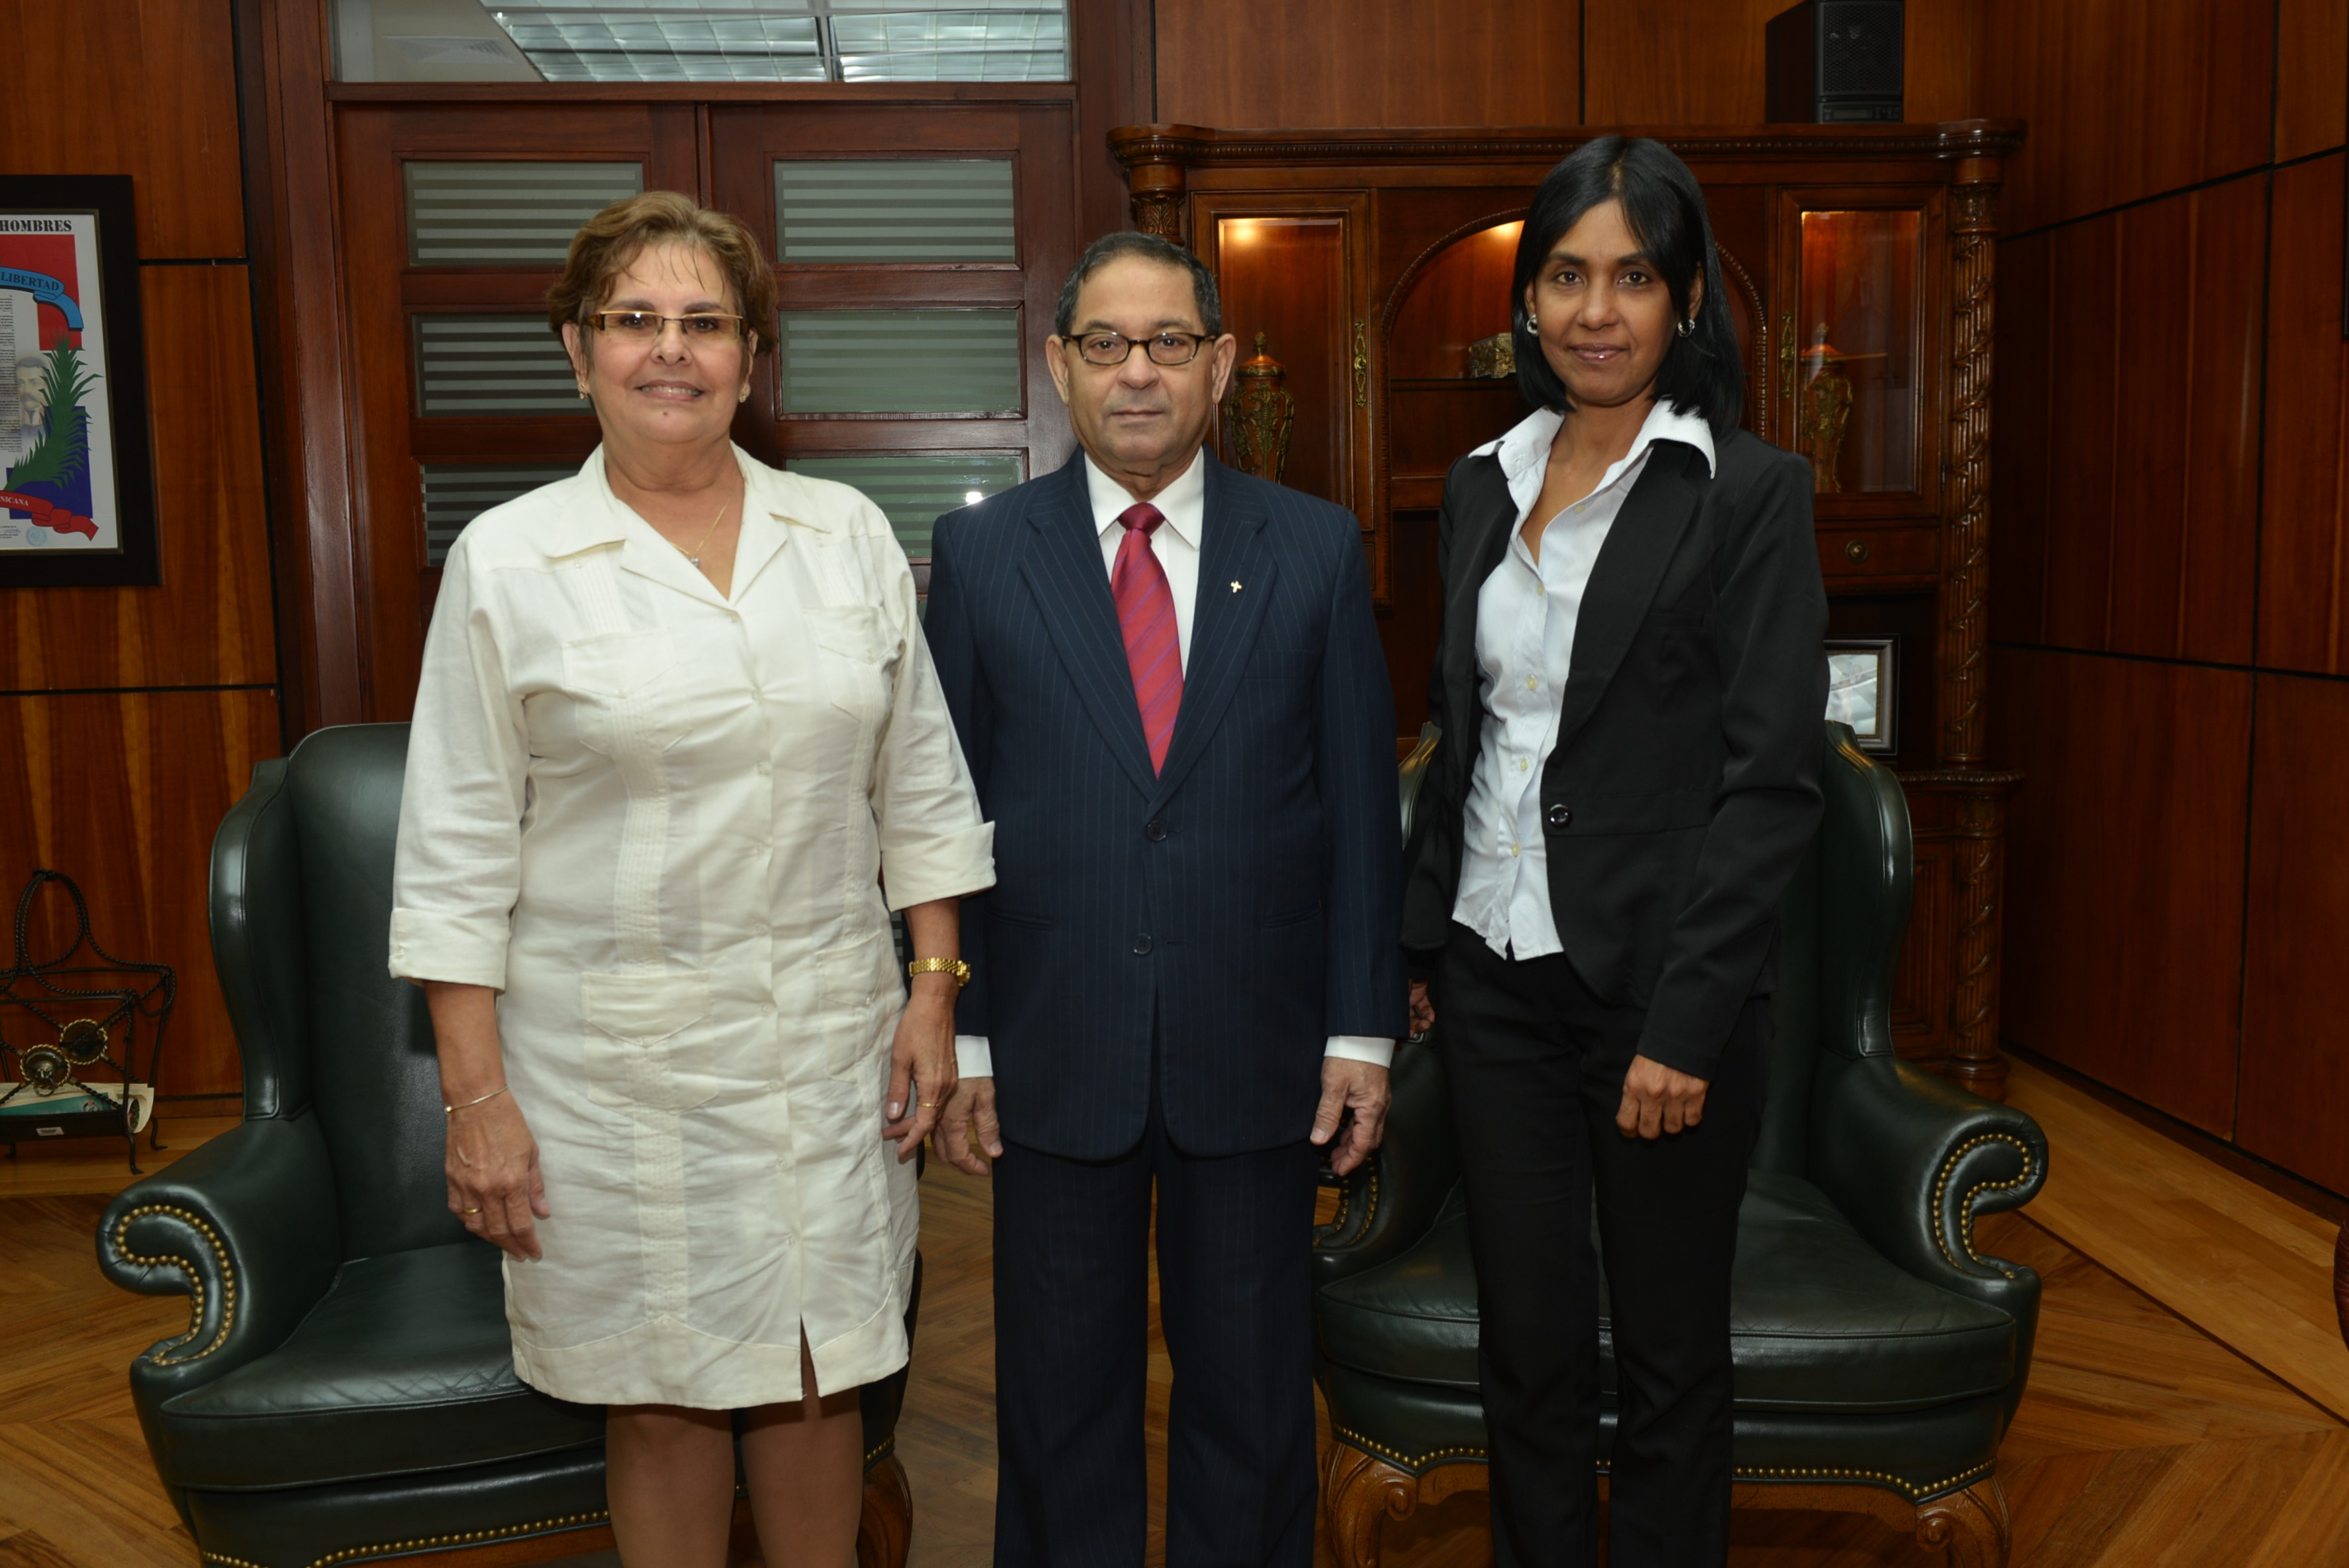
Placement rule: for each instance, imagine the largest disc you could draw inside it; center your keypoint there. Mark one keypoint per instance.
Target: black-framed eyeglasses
(1169, 347)
(702, 326)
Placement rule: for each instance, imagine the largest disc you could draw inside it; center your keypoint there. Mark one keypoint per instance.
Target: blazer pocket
(646, 1045)
(1600, 816)
(1015, 917)
(850, 1001)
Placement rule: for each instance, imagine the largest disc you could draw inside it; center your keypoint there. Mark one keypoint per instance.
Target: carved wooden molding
(1194, 145)
(887, 1529)
(1360, 1492)
(1965, 626)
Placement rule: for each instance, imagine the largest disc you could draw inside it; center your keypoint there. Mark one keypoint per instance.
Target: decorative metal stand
(60, 1021)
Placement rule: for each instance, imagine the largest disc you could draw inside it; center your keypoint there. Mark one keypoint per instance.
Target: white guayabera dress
(661, 823)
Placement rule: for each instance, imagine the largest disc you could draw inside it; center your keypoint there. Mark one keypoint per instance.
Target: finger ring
(472, 1211)
(927, 1105)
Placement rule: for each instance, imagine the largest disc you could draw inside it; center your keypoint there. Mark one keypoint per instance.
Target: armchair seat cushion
(405, 1365)
(1820, 1321)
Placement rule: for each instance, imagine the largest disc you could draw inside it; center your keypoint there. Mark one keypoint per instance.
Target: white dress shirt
(1176, 542)
(1526, 612)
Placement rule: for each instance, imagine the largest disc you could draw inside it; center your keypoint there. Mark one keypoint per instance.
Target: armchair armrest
(1392, 1198)
(245, 1227)
(1911, 1159)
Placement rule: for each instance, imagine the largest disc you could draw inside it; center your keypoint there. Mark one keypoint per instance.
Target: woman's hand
(494, 1185)
(1658, 1099)
(921, 1063)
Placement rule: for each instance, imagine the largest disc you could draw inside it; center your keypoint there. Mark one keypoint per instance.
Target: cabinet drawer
(1849, 553)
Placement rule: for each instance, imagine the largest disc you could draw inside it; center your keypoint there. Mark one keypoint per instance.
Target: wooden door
(455, 220)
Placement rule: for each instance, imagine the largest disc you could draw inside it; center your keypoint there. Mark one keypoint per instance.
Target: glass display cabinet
(1858, 262)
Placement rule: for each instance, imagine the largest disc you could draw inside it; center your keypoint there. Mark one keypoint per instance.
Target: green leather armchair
(344, 1390)
(1879, 1354)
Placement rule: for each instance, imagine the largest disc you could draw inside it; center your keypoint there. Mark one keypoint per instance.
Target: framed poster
(1860, 689)
(76, 485)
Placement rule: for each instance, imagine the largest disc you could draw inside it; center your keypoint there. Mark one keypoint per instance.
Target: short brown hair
(609, 244)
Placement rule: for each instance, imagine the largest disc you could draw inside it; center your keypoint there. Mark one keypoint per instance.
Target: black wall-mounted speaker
(1834, 60)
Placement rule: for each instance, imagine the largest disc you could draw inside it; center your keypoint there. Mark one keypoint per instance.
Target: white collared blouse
(1527, 613)
(660, 821)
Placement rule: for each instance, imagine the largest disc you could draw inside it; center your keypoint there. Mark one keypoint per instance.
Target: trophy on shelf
(1258, 415)
(1825, 411)
(69, 1034)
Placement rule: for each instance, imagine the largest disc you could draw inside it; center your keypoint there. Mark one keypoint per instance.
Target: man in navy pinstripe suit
(1169, 685)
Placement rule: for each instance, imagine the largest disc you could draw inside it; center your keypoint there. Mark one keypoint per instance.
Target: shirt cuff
(1370, 1049)
(467, 951)
(953, 866)
(972, 1057)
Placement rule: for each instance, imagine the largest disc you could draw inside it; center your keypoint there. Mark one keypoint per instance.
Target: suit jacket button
(1156, 832)
(1141, 944)
(1557, 816)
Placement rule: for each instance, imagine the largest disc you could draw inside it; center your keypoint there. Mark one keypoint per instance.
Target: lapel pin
(1236, 587)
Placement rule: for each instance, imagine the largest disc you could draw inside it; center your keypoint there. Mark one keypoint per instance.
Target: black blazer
(1684, 786)
(1243, 904)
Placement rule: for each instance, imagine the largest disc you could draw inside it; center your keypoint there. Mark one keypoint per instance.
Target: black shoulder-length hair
(1703, 373)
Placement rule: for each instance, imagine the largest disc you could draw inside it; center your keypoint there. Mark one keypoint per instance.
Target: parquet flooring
(2150, 1437)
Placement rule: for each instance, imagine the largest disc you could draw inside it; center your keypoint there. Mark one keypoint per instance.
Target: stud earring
(1533, 322)
(1687, 328)
(743, 396)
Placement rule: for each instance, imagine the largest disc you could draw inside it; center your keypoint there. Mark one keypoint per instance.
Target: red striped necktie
(1146, 618)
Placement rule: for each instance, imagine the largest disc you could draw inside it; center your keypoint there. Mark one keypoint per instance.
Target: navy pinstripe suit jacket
(1246, 900)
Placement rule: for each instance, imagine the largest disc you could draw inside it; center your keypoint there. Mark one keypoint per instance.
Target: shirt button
(1523, 765)
(1541, 591)
(1141, 944)
(765, 1008)
(759, 929)
(1532, 685)
(765, 770)
(1513, 851)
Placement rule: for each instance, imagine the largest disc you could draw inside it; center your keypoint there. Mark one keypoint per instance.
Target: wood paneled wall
(2171, 556)
(130, 718)
(1300, 64)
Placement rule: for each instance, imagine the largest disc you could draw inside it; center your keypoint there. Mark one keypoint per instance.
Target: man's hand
(1422, 1011)
(969, 1126)
(1658, 1099)
(1361, 1087)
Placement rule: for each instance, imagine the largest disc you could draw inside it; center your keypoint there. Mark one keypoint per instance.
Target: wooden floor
(2183, 1412)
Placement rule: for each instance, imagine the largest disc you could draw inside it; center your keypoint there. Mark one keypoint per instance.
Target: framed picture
(76, 482)
(1861, 688)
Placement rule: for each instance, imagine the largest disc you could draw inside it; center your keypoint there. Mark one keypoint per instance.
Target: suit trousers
(1072, 1342)
(1537, 1066)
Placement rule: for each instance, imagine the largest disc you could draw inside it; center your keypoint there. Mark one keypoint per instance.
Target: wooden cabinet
(1860, 266)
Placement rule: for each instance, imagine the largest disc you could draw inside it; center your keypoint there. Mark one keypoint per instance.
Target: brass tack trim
(1940, 1187)
(1883, 1478)
(429, 1542)
(882, 1447)
(1346, 1202)
(187, 1271)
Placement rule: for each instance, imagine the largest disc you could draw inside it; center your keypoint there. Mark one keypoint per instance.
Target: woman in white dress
(677, 749)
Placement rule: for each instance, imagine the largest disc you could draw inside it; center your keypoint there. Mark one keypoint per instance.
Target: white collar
(1526, 448)
(1181, 503)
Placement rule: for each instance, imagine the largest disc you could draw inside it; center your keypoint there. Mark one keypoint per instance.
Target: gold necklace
(693, 554)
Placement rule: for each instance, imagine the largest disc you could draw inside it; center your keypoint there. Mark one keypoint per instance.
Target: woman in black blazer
(1631, 683)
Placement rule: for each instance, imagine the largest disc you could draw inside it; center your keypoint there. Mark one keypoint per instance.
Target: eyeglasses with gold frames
(643, 326)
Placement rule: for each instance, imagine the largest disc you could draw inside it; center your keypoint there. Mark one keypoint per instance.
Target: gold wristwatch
(954, 966)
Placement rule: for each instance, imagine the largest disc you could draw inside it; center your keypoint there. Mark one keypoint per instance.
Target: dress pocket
(852, 985)
(615, 665)
(859, 646)
(647, 1047)
(614, 683)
